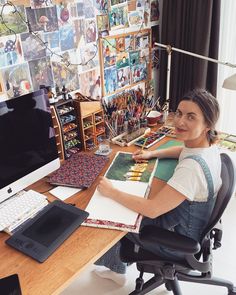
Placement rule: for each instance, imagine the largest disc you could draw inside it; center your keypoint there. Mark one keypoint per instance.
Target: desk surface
(81, 249)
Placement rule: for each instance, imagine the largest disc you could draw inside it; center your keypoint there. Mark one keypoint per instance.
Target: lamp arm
(169, 50)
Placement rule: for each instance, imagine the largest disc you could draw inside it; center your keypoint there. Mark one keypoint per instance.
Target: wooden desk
(81, 249)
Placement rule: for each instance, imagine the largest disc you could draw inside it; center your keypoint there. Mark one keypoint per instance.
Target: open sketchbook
(104, 212)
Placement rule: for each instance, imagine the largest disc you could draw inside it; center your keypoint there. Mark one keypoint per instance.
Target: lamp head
(230, 82)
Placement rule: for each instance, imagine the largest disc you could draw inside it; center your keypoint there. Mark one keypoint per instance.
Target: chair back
(224, 194)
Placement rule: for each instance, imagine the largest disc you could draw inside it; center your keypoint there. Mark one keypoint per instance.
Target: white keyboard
(20, 207)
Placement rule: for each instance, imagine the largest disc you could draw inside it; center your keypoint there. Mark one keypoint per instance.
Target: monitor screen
(28, 148)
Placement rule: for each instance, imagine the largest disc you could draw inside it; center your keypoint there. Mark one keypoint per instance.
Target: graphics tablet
(44, 233)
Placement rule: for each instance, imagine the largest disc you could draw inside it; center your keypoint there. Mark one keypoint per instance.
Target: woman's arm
(167, 199)
(172, 152)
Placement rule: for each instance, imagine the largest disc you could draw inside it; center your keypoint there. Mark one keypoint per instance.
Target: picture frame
(124, 60)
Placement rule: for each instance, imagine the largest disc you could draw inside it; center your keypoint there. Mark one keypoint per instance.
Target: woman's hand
(105, 187)
(141, 155)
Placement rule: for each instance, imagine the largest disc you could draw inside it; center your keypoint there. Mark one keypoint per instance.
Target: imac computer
(28, 150)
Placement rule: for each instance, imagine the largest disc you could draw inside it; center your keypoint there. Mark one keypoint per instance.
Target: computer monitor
(28, 150)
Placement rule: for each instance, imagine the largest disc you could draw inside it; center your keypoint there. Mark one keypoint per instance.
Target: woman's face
(190, 125)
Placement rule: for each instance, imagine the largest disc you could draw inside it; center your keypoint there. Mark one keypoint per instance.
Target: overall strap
(206, 172)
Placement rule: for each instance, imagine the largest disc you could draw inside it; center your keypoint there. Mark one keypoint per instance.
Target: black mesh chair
(197, 265)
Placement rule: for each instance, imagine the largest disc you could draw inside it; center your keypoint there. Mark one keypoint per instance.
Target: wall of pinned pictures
(125, 60)
(56, 43)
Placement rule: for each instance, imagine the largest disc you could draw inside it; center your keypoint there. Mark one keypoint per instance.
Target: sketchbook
(106, 213)
(79, 171)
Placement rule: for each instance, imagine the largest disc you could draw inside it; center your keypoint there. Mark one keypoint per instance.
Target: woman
(185, 203)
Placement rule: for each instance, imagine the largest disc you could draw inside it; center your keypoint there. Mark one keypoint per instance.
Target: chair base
(173, 284)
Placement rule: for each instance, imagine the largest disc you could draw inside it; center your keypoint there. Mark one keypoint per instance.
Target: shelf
(67, 121)
(91, 117)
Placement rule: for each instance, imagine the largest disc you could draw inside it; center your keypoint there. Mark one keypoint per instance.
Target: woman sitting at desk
(185, 203)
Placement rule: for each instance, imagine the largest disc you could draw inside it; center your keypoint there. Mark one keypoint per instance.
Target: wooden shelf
(87, 112)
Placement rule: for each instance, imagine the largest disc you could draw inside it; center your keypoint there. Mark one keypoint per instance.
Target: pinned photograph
(129, 43)
(142, 42)
(89, 9)
(134, 57)
(110, 80)
(136, 18)
(155, 13)
(145, 55)
(140, 4)
(139, 73)
(91, 84)
(43, 19)
(101, 6)
(123, 77)
(109, 52)
(122, 60)
(41, 72)
(90, 30)
(89, 56)
(10, 51)
(33, 46)
(52, 40)
(118, 17)
(17, 80)
(66, 37)
(80, 8)
(120, 44)
(78, 25)
(35, 4)
(15, 18)
(103, 25)
(65, 70)
(63, 14)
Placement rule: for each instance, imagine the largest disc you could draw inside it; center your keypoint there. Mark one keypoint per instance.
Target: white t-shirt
(189, 178)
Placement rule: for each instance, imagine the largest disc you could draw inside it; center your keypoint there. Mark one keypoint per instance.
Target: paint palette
(149, 139)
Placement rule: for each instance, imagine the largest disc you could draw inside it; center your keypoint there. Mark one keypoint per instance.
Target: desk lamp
(229, 83)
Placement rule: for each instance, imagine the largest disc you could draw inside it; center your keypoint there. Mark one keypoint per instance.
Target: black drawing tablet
(44, 233)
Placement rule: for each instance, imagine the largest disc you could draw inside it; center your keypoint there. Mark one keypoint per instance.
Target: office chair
(197, 265)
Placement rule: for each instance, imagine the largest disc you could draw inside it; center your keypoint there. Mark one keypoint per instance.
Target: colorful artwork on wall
(10, 51)
(101, 5)
(52, 40)
(90, 30)
(89, 56)
(103, 25)
(17, 80)
(63, 74)
(67, 37)
(89, 9)
(33, 46)
(43, 19)
(91, 83)
(118, 17)
(110, 80)
(51, 33)
(41, 72)
(12, 17)
(109, 52)
(121, 65)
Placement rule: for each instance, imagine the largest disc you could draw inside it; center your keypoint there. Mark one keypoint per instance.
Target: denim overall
(189, 219)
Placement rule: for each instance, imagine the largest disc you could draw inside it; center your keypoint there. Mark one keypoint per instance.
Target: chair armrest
(156, 235)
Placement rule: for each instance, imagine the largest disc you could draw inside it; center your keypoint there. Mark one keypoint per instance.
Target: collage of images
(126, 60)
(57, 45)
